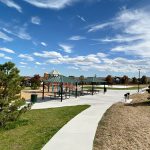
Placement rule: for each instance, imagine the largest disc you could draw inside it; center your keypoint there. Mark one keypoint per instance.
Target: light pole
(139, 80)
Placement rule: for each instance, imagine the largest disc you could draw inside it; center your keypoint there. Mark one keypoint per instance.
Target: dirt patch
(125, 127)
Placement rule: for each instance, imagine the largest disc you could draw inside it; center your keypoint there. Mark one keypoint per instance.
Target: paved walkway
(78, 134)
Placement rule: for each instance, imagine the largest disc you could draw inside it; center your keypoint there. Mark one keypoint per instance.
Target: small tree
(35, 82)
(125, 79)
(134, 80)
(81, 78)
(144, 80)
(109, 79)
(10, 88)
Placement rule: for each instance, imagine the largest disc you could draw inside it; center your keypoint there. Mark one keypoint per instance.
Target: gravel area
(125, 126)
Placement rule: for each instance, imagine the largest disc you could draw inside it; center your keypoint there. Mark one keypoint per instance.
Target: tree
(81, 78)
(35, 81)
(134, 80)
(144, 80)
(125, 79)
(109, 79)
(10, 88)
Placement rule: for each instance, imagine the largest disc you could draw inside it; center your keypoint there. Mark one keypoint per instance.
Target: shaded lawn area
(125, 126)
(34, 129)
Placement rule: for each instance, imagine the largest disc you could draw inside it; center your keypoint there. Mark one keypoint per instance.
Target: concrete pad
(79, 133)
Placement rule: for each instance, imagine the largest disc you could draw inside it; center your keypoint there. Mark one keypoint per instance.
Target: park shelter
(93, 81)
(60, 81)
(67, 83)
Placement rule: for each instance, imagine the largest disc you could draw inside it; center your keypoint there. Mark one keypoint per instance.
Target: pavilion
(66, 86)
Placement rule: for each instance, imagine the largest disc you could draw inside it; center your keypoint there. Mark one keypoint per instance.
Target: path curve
(79, 133)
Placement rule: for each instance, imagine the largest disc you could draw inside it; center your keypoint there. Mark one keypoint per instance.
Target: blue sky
(76, 37)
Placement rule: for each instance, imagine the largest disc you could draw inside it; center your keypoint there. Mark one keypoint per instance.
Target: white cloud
(36, 20)
(48, 54)
(5, 37)
(26, 57)
(94, 28)
(98, 61)
(9, 58)
(134, 23)
(5, 57)
(67, 48)
(73, 67)
(121, 39)
(44, 44)
(132, 28)
(77, 38)
(23, 63)
(18, 31)
(102, 55)
(38, 63)
(12, 4)
(7, 50)
(81, 18)
(51, 4)
(2, 55)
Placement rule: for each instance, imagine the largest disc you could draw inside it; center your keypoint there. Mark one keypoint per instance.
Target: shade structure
(93, 80)
(60, 79)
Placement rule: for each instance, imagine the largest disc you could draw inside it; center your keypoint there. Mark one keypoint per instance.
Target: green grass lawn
(34, 129)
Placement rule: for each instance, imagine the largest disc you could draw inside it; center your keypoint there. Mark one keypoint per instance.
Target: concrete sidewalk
(78, 134)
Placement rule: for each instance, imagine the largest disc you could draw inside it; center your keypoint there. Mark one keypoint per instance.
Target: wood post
(61, 91)
(43, 91)
(76, 94)
(82, 88)
(48, 86)
(92, 88)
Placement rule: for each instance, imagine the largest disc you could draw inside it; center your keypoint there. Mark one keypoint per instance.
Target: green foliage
(125, 79)
(10, 89)
(109, 79)
(35, 82)
(134, 80)
(144, 80)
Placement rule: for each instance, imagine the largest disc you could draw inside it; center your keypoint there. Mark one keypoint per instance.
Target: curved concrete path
(78, 133)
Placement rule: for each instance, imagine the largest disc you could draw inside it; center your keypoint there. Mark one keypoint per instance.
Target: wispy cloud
(77, 38)
(38, 63)
(94, 28)
(26, 57)
(99, 61)
(7, 50)
(48, 54)
(81, 18)
(121, 39)
(23, 63)
(135, 24)
(12, 4)
(2, 55)
(5, 37)
(8, 58)
(66, 48)
(36, 20)
(51, 4)
(5, 57)
(19, 32)
(132, 32)
(44, 44)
